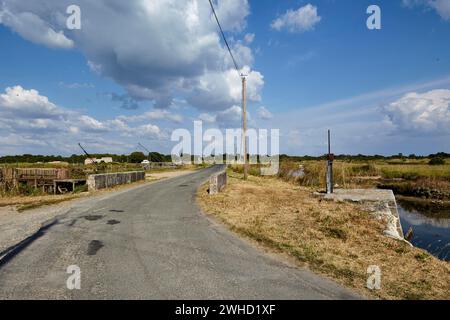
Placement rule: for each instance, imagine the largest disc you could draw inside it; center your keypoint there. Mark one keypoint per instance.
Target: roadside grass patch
(38, 204)
(336, 233)
(422, 256)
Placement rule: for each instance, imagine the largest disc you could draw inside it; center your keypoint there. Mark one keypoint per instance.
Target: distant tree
(156, 157)
(442, 155)
(436, 162)
(137, 157)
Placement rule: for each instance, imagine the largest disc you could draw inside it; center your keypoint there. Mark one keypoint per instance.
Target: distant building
(89, 161)
(62, 163)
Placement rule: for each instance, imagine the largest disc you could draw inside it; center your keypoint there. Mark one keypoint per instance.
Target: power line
(244, 84)
(224, 38)
(142, 146)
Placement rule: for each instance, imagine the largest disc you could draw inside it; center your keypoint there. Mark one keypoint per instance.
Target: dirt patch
(338, 240)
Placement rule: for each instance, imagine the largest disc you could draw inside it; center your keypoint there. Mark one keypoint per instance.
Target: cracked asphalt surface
(152, 242)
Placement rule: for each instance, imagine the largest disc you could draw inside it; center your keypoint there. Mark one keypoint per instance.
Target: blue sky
(136, 71)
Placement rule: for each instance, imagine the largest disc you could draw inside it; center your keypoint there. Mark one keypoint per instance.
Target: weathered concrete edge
(394, 209)
(217, 182)
(386, 203)
(119, 178)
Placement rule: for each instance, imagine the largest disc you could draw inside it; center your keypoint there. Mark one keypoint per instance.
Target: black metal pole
(330, 182)
(329, 142)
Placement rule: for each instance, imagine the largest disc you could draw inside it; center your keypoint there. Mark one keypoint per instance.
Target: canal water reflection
(431, 228)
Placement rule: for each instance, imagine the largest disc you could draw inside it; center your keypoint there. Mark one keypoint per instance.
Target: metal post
(330, 182)
(244, 125)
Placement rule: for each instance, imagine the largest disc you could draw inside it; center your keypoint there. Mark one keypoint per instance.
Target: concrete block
(218, 182)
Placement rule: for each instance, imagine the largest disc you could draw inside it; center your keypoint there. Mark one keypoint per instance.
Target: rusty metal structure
(49, 180)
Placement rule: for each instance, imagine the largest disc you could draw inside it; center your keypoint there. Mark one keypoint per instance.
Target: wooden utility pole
(244, 124)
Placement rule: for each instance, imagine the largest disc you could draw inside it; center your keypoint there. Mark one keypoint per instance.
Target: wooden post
(244, 125)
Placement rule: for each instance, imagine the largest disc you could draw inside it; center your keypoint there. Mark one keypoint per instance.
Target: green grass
(414, 171)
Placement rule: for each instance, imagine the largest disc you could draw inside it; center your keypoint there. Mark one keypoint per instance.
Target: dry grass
(350, 174)
(407, 171)
(26, 202)
(45, 202)
(408, 178)
(338, 240)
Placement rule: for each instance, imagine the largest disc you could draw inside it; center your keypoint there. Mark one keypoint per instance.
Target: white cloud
(221, 90)
(157, 114)
(175, 49)
(206, 117)
(148, 129)
(31, 120)
(442, 7)
(264, 114)
(300, 20)
(232, 14)
(249, 38)
(422, 113)
(91, 124)
(33, 28)
(76, 85)
(229, 118)
(16, 140)
(17, 101)
(360, 125)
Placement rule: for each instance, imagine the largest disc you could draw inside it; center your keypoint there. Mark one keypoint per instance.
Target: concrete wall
(218, 182)
(103, 181)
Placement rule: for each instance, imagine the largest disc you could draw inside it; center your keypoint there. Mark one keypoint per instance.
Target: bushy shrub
(436, 162)
(81, 188)
(368, 169)
(27, 190)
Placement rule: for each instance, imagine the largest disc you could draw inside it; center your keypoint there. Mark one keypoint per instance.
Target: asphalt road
(152, 242)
